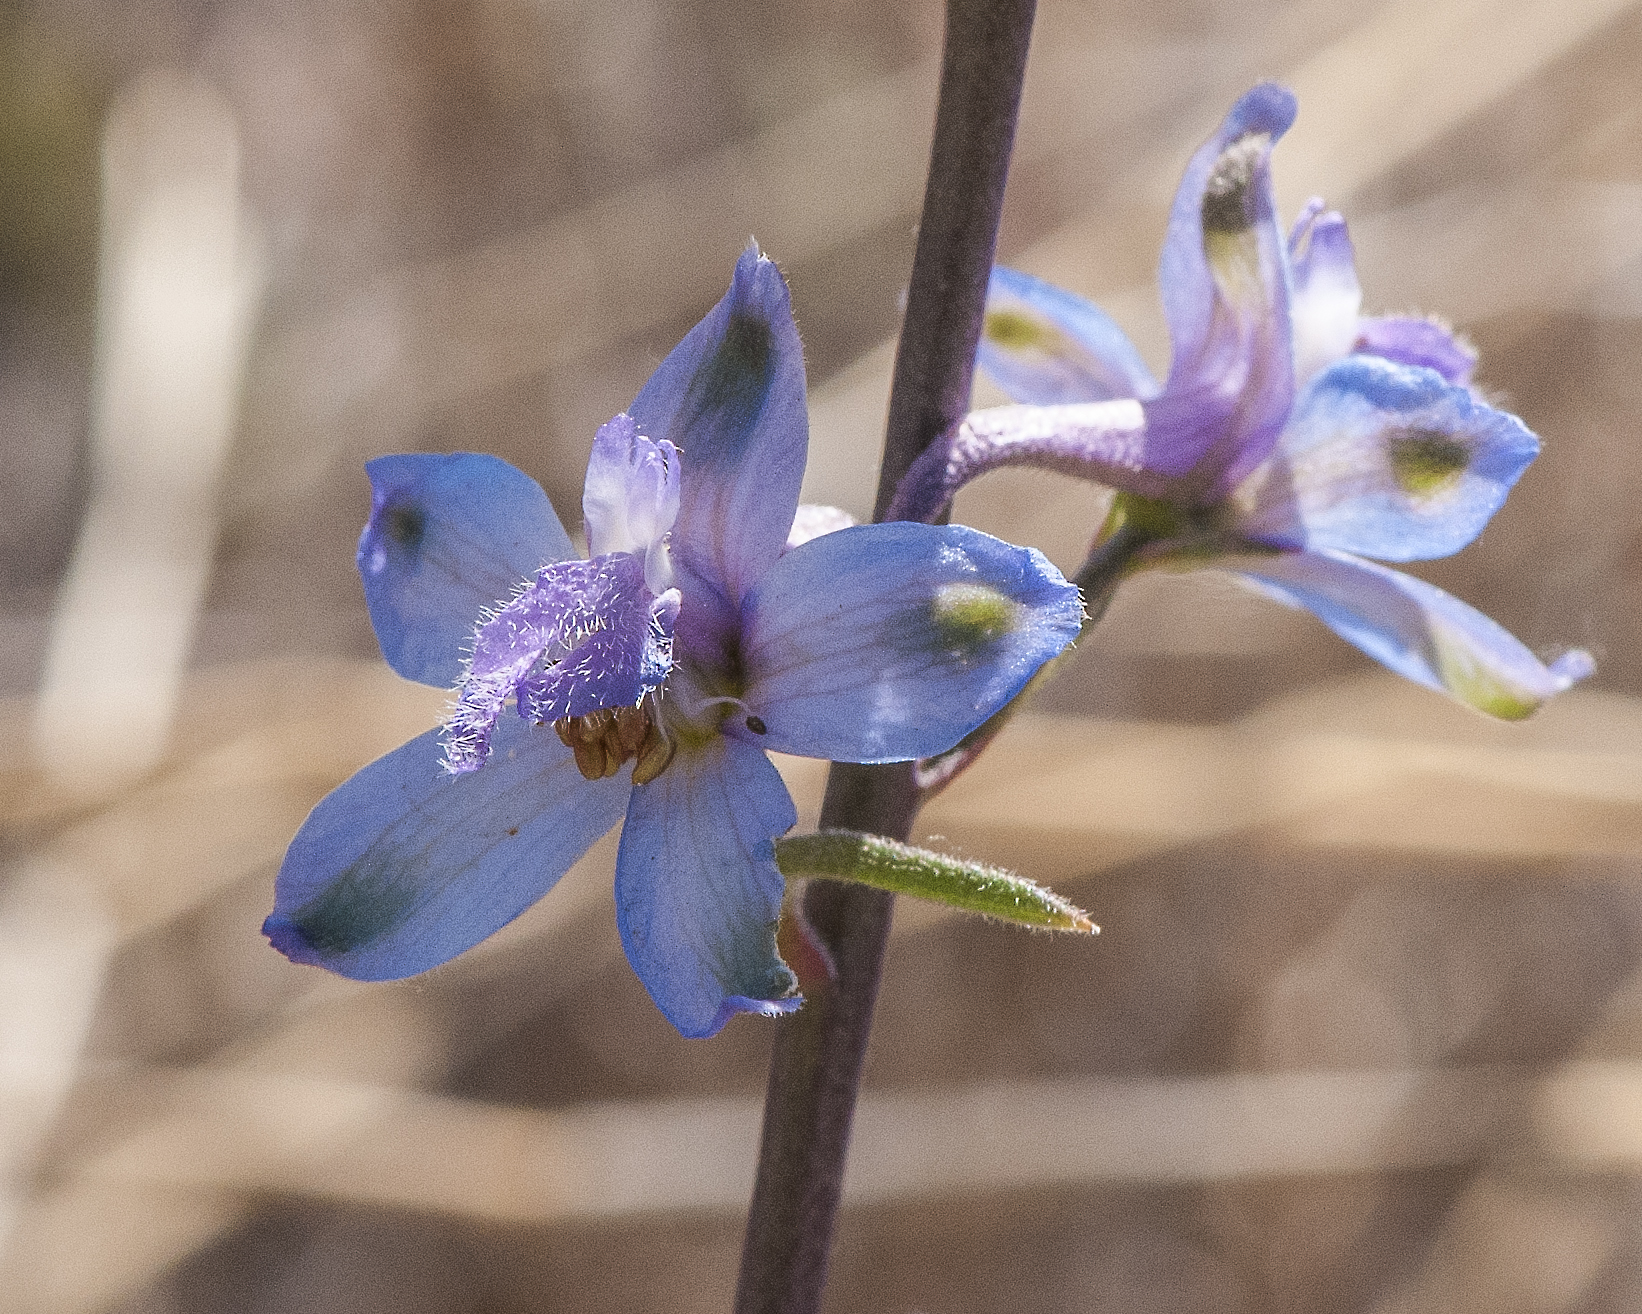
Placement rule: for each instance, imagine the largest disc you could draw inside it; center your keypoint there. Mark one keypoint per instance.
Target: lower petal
(698, 894)
(1416, 629)
(403, 866)
(580, 637)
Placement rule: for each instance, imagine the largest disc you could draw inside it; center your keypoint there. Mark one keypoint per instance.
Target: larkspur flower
(698, 635)
(1293, 440)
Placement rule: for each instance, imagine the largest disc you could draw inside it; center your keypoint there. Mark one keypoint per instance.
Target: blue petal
(448, 536)
(730, 397)
(1105, 442)
(1046, 346)
(582, 636)
(888, 642)
(1416, 629)
(698, 893)
(1410, 340)
(1324, 295)
(403, 866)
(1224, 282)
(1387, 461)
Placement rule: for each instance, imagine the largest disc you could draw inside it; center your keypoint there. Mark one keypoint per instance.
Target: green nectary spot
(364, 902)
(968, 618)
(1014, 330)
(405, 523)
(1426, 462)
(1474, 684)
(1496, 699)
(735, 379)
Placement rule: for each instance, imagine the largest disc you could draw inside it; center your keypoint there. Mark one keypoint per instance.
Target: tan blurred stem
(816, 1068)
(180, 282)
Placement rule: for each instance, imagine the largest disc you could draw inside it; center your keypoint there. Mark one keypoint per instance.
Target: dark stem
(816, 1068)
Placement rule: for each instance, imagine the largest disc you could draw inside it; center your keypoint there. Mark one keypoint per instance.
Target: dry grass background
(1364, 1030)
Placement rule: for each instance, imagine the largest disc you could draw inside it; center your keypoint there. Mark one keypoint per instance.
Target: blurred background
(1364, 1029)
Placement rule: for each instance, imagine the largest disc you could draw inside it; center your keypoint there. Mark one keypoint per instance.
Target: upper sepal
(1224, 281)
(447, 537)
(1105, 442)
(730, 397)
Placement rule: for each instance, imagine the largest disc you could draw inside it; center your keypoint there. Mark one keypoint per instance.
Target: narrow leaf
(845, 855)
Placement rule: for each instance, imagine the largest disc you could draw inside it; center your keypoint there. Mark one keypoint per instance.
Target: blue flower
(1293, 439)
(690, 642)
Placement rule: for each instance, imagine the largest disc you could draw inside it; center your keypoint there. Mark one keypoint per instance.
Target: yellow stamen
(603, 740)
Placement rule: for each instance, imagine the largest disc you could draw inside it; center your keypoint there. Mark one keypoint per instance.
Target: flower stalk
(816, 1068)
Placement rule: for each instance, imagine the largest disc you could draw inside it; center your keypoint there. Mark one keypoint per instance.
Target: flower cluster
(712, 621)
(1296, 443)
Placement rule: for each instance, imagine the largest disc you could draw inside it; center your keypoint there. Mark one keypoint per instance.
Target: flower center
(604, 739)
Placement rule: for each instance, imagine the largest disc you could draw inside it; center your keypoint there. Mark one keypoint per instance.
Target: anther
(653, 756)
(601, 741)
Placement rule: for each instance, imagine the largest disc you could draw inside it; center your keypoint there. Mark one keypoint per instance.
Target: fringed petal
(582, 636)
(1413, 340)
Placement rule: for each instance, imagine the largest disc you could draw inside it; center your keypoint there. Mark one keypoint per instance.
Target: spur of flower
(1294, 441)
(646, 683)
